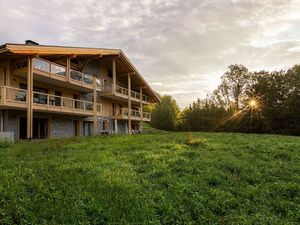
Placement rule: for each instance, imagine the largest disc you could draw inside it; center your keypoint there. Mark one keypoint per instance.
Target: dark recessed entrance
(40, 128)
(23, 128)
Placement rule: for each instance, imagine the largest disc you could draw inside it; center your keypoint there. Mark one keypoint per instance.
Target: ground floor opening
(13, 124)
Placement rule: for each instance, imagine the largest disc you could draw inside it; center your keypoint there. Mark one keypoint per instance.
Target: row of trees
(261, 102)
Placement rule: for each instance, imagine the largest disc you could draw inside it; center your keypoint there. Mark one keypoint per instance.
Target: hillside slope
(165, 178)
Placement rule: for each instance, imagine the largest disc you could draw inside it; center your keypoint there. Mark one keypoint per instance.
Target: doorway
(76, 127)
(87, 128)
(40, 128)
(22, 128)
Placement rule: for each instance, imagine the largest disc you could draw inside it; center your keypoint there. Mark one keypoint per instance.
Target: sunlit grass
(152, 179)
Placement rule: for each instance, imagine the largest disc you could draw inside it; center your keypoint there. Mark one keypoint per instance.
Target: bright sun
(253, 104)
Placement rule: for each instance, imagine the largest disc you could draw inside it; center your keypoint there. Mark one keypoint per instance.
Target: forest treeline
(244, 101)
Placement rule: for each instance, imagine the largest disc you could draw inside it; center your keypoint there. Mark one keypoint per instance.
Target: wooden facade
(88, 83)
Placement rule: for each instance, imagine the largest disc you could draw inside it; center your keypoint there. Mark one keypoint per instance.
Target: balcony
(13, 97)
(54, 103)
(123, 114)
(81, 79)
(16, 98)
(45, 68)
(122, 92)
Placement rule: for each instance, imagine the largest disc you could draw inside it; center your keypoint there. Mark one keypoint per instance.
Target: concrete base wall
(7, 136)
(61, 125)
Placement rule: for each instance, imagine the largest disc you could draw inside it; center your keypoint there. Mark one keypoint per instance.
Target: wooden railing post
(48, 103)
(4, 95)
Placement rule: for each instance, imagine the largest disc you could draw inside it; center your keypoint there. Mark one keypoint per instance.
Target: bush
(195, 141)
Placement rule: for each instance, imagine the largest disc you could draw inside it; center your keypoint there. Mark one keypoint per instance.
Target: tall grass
(165, 178)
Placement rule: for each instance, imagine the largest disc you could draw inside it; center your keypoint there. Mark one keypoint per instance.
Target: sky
(181, 47)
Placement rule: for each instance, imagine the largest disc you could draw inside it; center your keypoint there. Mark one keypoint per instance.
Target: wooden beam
(35, 55)
(72, 56)
(141, 107)
(125, 74)
(57, 50)
(114, 73)
(68, 69)
(29, 98)
(129, 104)
(87, 61)
(95, 124)
(110, 57)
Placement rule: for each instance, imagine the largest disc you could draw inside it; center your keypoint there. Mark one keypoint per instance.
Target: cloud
(181, 47)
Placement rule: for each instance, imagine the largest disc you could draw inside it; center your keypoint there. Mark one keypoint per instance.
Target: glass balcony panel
(145, 98)
(98, 84)
(78, 104)
(126, 112)
(40, 98)
(88, 79)
(88, 106)
(41, 65)
(58, 70)
(75, 75)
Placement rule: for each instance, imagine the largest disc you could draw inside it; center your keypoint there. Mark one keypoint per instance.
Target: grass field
(155, 178)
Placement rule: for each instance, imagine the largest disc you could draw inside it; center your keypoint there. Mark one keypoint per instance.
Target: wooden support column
(116, 126)
(129, 104)
(141, 107)
(114, 73)
(68, 69)
(1, 121)
(8, 72)
(29, 98)
(95, 125)
(49, 127)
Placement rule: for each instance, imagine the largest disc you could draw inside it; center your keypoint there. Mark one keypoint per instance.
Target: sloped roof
(24, 49)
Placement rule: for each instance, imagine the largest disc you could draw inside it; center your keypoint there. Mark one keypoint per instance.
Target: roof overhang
(23, 49)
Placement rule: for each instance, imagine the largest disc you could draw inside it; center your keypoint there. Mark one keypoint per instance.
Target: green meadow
(153, 178)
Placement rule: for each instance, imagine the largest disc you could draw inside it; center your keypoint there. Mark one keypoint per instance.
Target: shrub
(195, 141)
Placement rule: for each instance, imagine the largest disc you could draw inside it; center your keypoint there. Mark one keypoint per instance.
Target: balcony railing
(135, 114)
(121, 90)
(99, 84)
(60, 71)
(81, 77)
(14, 95)
(64, 103)
(147, 115)
(49, 67)
(134, 95)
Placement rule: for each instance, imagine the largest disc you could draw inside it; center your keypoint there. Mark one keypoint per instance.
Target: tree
(233, 85)
(165, 114)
